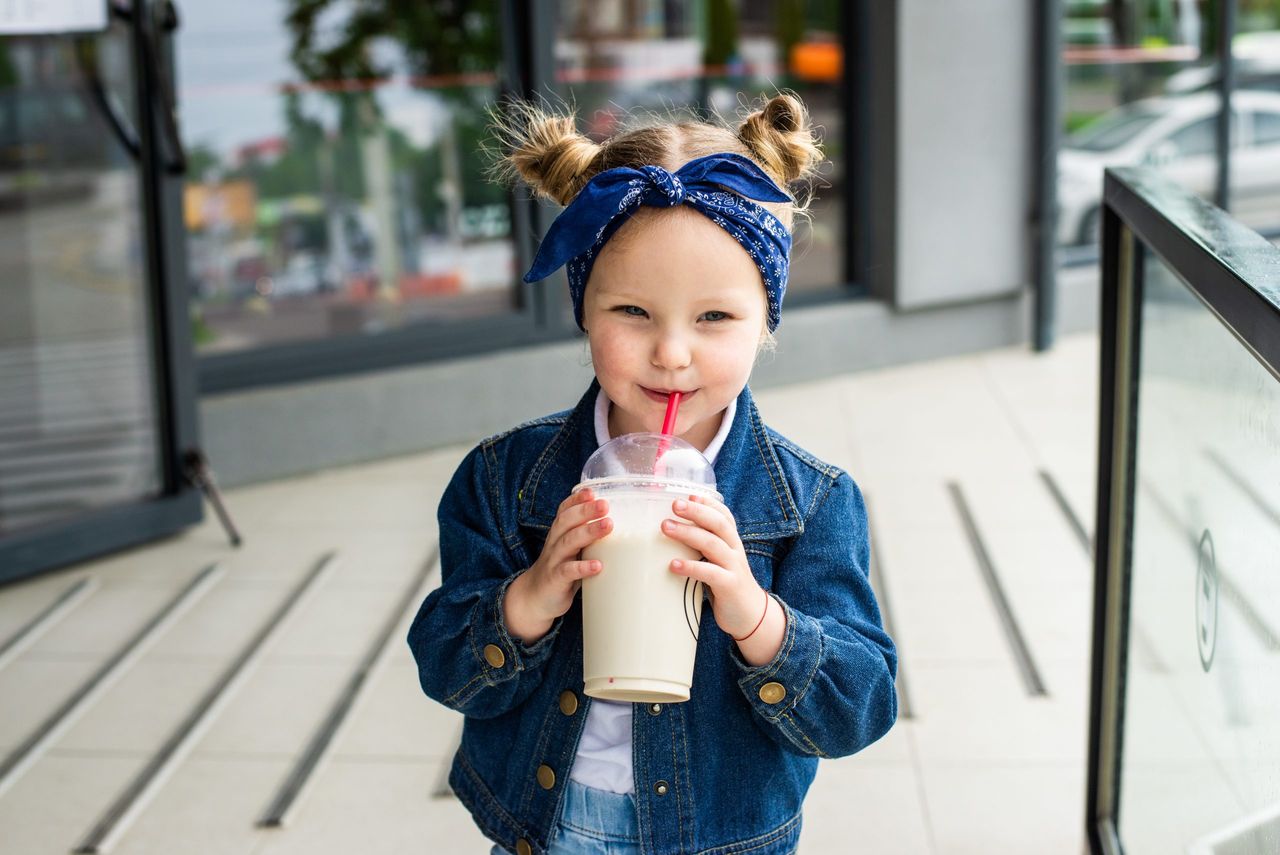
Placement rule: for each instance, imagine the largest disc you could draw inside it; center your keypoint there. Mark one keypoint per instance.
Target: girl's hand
(545, 591)
(737, 600)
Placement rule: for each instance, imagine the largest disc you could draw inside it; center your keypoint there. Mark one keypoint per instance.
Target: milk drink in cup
(640, 620)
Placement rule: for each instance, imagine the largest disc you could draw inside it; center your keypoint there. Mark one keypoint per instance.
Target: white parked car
(1178, 136)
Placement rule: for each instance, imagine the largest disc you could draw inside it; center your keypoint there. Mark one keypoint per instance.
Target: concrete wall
(965, 85)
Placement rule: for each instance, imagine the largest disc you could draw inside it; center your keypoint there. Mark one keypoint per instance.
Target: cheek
(735, 358)
(610, 353)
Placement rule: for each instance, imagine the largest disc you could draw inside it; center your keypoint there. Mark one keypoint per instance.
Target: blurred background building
(305, 183)
(260, 232)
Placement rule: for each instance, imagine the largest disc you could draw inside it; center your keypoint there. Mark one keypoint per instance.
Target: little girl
(676, 239)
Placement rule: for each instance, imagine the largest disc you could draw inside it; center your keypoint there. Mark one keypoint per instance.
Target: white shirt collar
(713, 448)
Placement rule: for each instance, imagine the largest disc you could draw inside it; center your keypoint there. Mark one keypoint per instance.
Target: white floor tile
(33, 689)
(396, 811)
(864, 809)
(209, 806)
(395, 719)
(983, 808)
(143, 707)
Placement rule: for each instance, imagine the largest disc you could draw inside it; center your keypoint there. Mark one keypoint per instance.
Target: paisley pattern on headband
(720, 186)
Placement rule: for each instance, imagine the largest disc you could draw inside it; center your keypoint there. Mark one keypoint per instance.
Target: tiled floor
(982, 766)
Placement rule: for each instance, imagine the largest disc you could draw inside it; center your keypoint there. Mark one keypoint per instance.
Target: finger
(711, 575)
(713, 502)
(695, 537)
(583, 495)
(709, 518)
(575, 516)
(580, 537)
(574, 571)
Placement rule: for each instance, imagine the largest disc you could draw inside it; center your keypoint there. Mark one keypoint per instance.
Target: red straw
(668, 427)
(669, 422)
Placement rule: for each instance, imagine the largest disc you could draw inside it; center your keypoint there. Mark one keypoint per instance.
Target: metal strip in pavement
(131, 801)
(882, 596)
(280, 810)
(1146, 647)
(1060, 498)
(38, 625)
(1017, 642)
(22, 757)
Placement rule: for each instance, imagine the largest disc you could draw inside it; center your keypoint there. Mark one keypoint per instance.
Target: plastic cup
(640, 620)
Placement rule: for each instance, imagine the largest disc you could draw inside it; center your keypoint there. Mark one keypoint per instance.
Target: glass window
(334, 186)
(1266, 129)
(1134, 73)
(617, 57)
(1198, 138)
(1255, 169)
(78, 413)
(1113, 130)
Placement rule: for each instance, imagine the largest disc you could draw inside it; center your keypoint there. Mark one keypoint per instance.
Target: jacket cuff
(501, 656)
(778, 685)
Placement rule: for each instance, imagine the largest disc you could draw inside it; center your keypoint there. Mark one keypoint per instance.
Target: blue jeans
(593, 822)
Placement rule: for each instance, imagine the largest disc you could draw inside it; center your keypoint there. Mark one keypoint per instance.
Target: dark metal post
(1226, 85)
(1047, 58)
(528, 51)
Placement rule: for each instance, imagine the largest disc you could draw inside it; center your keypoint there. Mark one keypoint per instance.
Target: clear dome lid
(649, 459)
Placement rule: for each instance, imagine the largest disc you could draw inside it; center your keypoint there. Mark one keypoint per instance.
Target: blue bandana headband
(610, 197)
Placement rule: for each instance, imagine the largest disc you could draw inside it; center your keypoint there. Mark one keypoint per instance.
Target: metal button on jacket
(660, 788)
(772, 693)
(523, 847)
(568, 702)
(494, 656)
(654, 709)
(546, 777)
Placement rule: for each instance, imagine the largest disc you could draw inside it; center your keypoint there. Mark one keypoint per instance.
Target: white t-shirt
(604, 753)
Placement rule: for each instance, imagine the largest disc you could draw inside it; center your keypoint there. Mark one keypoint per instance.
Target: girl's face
(673, 304)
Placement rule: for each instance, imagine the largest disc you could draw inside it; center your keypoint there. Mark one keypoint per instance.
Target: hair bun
(780, 136)
(546, 150)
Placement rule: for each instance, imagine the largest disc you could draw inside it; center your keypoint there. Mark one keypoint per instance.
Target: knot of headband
(720, 186)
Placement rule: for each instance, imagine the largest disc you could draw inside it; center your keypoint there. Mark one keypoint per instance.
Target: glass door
(96, 400)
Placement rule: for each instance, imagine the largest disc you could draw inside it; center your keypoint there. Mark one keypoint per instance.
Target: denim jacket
(725, 772)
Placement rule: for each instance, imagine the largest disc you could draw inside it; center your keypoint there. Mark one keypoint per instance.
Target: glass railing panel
(1200, 753)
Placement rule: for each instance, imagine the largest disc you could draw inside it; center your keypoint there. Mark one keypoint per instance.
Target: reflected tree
(348, 50)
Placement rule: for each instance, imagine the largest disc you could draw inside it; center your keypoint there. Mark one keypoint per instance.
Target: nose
(671, 351)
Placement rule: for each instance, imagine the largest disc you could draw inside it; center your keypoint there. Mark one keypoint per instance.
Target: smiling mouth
(656, 395)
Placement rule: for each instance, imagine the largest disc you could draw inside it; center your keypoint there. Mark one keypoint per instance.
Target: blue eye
(715, 315)
(632, 311)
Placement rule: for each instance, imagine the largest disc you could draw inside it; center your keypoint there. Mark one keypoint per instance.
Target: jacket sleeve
(466, 658)
(836, 665)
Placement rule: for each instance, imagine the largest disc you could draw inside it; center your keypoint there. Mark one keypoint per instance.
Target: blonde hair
(543, 148)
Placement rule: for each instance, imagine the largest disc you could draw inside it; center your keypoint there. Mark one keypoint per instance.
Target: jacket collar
(748, 472)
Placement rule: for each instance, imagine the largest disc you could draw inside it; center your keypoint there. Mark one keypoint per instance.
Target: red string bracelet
(759, 622)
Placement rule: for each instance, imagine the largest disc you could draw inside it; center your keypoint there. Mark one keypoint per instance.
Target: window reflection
(615, 58)
(1141, 89)
(1255, 165)
(334, 185)
(1134, 75)
(78, 412)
